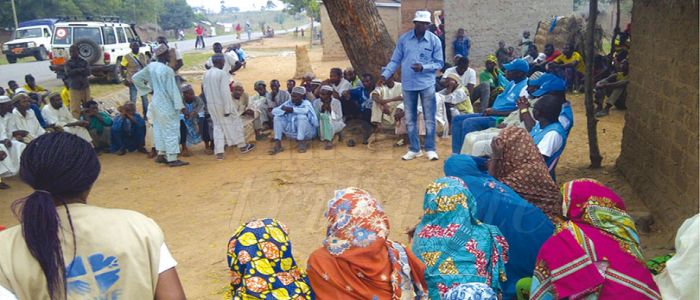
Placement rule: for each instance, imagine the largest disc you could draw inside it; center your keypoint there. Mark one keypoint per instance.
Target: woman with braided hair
(64, 248)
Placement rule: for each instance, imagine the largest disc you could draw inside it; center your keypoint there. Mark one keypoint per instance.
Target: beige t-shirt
(386, 92)
(118, 254)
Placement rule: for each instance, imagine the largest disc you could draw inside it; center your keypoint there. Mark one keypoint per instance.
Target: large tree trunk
(362, 32)
(592, 122)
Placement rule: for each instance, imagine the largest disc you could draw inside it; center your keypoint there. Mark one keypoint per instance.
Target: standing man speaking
(419, 53)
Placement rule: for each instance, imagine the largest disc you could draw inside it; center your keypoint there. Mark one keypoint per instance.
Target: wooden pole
(591, 121)
(616, 32)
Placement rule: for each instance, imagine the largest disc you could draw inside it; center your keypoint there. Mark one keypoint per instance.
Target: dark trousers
(353, 111)
(200, 39)
(183, 133)
(482, 92)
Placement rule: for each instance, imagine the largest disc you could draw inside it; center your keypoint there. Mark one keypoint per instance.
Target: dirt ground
(199, 206)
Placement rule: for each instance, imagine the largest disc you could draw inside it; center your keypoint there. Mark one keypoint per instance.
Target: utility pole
(14, 14)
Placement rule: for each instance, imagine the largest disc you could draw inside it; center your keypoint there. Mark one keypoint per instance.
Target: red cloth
(2, 228)
(238, 27)
(199, 31)
(554, 55)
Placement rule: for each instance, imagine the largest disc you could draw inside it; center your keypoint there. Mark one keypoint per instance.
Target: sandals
(275, 150)
(177, 163)
(247, 148)
(328, 145)
(302, 147)
(161, 159)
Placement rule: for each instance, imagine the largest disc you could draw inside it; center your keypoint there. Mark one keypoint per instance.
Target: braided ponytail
(59, 166)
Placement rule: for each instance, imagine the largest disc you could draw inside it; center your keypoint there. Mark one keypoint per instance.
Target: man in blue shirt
(359, 105)
(462, 44)
(419, 54)
(504, 104)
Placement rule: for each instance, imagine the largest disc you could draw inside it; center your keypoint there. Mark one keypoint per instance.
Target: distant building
(487, 22)
(389, 11)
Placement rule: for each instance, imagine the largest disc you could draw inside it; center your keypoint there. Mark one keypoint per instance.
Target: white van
(101, 43)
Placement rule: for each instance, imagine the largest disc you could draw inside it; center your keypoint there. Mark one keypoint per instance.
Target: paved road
(47, 78)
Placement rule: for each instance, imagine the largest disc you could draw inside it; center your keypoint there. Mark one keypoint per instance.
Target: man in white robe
(10, 149)
(250, 115)
(226, 121)
(165, 108)
(330, 116)
(24, 125)
(58, 117)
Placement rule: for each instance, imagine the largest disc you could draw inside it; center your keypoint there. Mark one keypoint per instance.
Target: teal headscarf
(455, 246)
(524, 225)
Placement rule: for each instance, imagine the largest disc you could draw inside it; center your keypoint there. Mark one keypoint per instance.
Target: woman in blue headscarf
(524, 226)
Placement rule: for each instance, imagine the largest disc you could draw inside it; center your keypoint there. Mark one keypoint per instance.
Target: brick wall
(660, 140)
(333, 48)
(487, 22)
(409, 8)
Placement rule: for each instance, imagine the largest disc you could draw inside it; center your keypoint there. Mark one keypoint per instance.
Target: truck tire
(11, 59)
(89, 50)
(42, 54)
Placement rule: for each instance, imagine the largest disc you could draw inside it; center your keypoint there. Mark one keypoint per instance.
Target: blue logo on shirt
(96, 278)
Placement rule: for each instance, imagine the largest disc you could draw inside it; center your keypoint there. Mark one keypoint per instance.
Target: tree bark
(363, 34)
(592, 122)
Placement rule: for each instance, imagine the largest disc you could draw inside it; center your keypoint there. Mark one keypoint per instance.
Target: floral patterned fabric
(594, 255)
(456, 247)
(356, 260)
(262, 266)
(524, 225)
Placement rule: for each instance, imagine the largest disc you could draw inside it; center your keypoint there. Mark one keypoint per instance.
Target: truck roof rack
(111, 19)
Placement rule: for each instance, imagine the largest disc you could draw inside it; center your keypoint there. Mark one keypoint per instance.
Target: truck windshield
(28, 33)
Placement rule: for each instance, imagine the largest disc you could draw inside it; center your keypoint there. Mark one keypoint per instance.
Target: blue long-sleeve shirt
(462, 46)
(410, 50)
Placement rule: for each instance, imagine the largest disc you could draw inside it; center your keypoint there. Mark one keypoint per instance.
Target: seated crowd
(527, 92)
(497, 226)
(484, 234)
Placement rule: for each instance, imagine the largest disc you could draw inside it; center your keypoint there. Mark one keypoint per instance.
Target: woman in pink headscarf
(595, 254)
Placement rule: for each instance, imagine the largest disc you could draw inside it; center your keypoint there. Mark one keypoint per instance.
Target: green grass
(100, 89)
(3, 59)
(198, 59)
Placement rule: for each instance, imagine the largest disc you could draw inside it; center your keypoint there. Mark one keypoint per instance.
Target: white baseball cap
(422, 16)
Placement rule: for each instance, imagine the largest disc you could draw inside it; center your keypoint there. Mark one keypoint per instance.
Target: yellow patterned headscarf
(492, 58)
(261, 263)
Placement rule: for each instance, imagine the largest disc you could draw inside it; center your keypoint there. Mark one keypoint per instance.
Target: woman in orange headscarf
(357, 261)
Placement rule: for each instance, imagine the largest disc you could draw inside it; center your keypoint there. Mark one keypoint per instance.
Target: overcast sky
(244, 5)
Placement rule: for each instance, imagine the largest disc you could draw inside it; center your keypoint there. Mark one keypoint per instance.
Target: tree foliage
(310, 7)
(178, 15)
(137, 11)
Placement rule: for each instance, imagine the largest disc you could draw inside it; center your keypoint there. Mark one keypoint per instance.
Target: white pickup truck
(32, 38)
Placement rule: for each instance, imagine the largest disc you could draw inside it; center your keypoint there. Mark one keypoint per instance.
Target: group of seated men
(321, 109)
(27, 115)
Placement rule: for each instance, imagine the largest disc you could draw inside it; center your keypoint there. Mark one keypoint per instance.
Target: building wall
(660, 140)
(409, 8)
(333, 48)
(487, 22)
